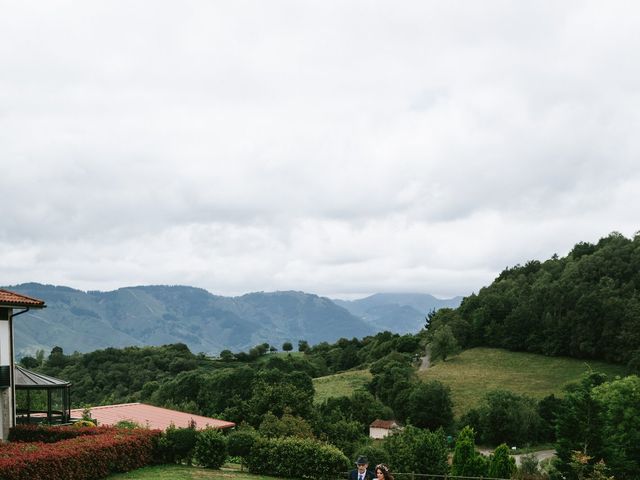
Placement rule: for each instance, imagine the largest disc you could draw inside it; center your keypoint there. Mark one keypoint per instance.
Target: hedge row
(85, 457)
(296, 458)
(48, 434)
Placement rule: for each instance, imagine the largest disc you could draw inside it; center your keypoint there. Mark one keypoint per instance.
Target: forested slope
(584, 305)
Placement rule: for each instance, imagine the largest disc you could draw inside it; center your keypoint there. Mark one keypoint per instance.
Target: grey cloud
(329, 146)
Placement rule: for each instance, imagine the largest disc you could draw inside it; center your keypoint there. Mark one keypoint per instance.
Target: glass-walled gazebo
(41, 398)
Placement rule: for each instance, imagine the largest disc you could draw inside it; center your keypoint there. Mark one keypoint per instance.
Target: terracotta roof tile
(12, 299)
(148, 415)
(388, 424)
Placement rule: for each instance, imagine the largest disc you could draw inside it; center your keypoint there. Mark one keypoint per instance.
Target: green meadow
(340, 384)
(476, 371)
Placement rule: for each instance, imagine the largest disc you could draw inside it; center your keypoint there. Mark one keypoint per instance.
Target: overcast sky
(337, 147)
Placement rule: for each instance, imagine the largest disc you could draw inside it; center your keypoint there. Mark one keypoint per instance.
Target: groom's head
(362, 463)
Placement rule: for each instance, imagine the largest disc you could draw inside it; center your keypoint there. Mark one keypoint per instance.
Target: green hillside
(477, 371)
(340, 384)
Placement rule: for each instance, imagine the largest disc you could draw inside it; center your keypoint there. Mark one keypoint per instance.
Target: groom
(361, 472)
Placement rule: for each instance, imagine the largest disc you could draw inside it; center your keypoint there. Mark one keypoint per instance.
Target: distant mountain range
(397, 312)
(155, 315)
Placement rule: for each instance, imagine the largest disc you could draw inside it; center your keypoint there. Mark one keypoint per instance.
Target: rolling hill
(155, 315)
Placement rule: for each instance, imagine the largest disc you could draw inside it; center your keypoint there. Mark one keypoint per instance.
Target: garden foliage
(85, 456)
(296, 457)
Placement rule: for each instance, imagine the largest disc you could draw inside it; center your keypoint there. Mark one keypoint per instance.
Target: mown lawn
(183, 472)
(340, 384)
(476, 371)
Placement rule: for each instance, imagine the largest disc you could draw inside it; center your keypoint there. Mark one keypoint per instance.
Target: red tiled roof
(12, 299)
(388, 424)
(148, 415)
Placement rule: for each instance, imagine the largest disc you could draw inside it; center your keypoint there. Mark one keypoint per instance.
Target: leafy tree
(501, 464)
(429, 405)
(429, 318)
(279, 393)
(347, 435)
(226, 356)
(57, 358)
(548, 409)
(505, 417)
(579, 424)
(391, 380)
(303, 346)
(467, 462)
(619, 402)
(287, 426)
(287, 347)
(239, 442)
(29, 362)
(360, 407)
(417, 450)
(443, 344)
(176, 445)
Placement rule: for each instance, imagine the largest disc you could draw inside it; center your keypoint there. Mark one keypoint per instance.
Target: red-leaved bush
(87, 456)
(48, 434)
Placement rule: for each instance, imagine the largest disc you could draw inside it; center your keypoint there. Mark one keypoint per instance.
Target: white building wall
(6, 394)
(375, 432)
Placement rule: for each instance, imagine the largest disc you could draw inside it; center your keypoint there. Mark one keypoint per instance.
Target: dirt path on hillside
(426, 361)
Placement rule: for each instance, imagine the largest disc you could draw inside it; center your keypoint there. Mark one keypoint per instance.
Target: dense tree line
(584, 305)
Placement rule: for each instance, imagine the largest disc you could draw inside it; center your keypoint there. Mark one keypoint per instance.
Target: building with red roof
(151, 417)
(382, 428)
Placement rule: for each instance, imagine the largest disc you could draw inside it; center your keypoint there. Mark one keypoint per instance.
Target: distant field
(475, 372)
(340, 384)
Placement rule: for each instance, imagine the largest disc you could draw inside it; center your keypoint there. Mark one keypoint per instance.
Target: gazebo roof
(24, 378)
(13, 299)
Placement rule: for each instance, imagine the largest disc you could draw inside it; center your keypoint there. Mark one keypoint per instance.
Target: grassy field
(341, 384)
(182, 472)
(475, 372)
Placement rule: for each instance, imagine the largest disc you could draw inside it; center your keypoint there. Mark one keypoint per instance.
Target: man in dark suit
(361, 472)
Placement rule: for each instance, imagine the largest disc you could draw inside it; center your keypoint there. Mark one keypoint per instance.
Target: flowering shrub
(86, 456)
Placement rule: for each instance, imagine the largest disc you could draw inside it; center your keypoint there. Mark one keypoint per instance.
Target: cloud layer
(341, 148)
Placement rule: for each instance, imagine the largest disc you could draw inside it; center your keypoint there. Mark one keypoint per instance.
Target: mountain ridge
(83, 321)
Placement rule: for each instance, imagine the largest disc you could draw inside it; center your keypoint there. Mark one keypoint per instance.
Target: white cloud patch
(341, 148)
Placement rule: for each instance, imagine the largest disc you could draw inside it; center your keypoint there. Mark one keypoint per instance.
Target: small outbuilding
(383, 428)
(41, 398)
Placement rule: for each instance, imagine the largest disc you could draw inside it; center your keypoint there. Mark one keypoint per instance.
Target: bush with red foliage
(86, 456)
(48, 434)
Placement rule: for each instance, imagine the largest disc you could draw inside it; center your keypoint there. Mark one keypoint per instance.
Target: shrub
(128, 424)
(49, 434)
(417, 450)
(501, 465)
(84, 423)
(240, 442)
(84, 457)
(211, 448)
(176, 445)
(466, 461)
(296, 457)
